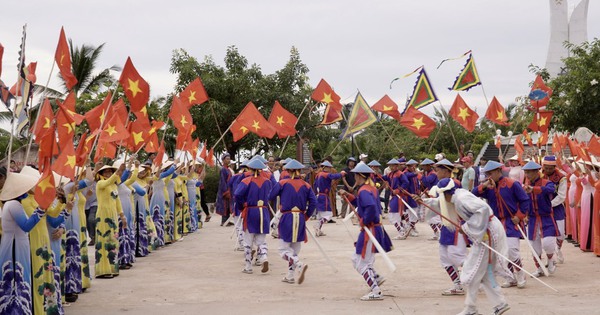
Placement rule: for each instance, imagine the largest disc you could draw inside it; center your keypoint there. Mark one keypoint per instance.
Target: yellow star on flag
(192, 97)
(102, 117)
(137, 137)
(71, 161)
(500, 115)
(255, 125)
(327, 98)
(183, 121)
(69, 127)
(111, 130)
(152, 130)
(144, 111)
(45, 184)
(464, 113)
(62, 57)
(386, 108)
(280, 121)
(47, 123)
(418, 123)
(134, 86)
(244, 129)
(541, 122)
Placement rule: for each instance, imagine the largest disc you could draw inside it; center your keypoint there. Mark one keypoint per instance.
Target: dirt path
(202, 275)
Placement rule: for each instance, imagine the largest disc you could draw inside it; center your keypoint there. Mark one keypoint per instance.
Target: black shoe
(92, 243)
(230, 224)
(330, 221)
(71, 297)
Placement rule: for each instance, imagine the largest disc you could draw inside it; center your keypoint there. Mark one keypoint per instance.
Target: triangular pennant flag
(417, 122)
(135, 87)
(541, 121)
(496, 113)
(387, 106)
(324, 94)
(468, 77)
(540, 93)
(423, 93)
(194, 94)
(63, 60)
(283, 121)
(360, 117)
(463, 114)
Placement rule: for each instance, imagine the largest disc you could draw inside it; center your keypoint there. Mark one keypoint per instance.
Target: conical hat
(17, 184)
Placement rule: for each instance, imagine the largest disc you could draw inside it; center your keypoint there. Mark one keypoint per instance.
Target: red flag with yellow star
(210, 159)
(387, 106)
(543, 139)
(136, 88)
(152, 142)
(519, 148)
(65, 127)
(496, 113)
(67, 160)
(68, 106)
(138, 131)
(113, 130)
(118, 109)
(283, 121)
(160, 153)
(180, 115)
(593, 146)
(47, 144)
(84, 147)
(105, 150)
(528, 138)
(323, 93)
(44, 122)
(541, 121)
(63, 60)
(184, 139)
(556, 147)
(417, 122)
(194, 94)
(251, 120)
(45, 190)
(95, 116)
(463, 114)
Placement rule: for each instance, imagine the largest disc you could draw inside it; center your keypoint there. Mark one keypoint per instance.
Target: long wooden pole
(12, 121)
(37, 117)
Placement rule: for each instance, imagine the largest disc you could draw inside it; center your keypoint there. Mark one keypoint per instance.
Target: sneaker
(500, 309)
(330, 221)
(509, 284)
(414, 233)
(433, 238)
(372, 296)
(401, 236)
(456, 290)
(559, 257)
(551, 267)
(380, 279)
(538, 273)
(287, 280)
(265, 266)
(247, 270)
(321, 233)
(302, 273)
(521, 279)
(317, 232)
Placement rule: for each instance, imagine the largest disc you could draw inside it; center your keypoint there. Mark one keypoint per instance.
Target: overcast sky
(352, 44)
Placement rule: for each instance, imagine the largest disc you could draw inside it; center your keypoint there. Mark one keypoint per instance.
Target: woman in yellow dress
(107, 233)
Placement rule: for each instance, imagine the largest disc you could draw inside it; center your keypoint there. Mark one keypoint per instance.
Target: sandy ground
(202, 275)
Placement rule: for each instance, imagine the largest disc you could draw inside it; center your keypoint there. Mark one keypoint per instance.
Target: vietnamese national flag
(519, 148)
(47, 144)
(250, 119)
(387, 106)
(105, 150)
(95, 116)
(498, 143)
(113, 130)
(283, 121)
(210, 159)
(159, 155)
(138, 130)
(65, 127)
(45, 190)
(496, 113)
(194, 94)
(528, 138)
(543, 139)
(136, 88)
(180, 115)
(67, 160)
(417, 122)
(44, 122)
(152, 142)
(594, 146)
(118, 109)
(84, 147)
(541, 121)
(184, 138)
(63, 60)
(68, 106)
(323, 93)
(463, 114)
(193, 148)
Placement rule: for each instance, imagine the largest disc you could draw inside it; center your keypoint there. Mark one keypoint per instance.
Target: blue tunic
(252, 196)
(298, 203)
(557, 179)
(223, 202)
(429, 180)
(506, 200)
(541, 213)
(368, 208)
(396, 180)
(413, 187)
(323, 186)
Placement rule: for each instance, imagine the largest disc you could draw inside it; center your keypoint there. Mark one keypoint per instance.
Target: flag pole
(12, 122)
(446, 117)
(222, 136)
(112, 98)
(390, 136)
(297, 119)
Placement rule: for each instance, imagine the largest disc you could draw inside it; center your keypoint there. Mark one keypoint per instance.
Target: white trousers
(453, 255)
(514, 247)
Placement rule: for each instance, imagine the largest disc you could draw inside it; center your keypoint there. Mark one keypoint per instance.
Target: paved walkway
(202, 275)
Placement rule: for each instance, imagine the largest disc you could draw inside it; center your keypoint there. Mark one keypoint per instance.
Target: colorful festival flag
(496, 113)
(283, 121)
(323, 93)
(423, 93)
(468, 77)
(387, 106)
(417, 122)
(63, 60)
(360, 117)
(114, 130)
(463, 114)
(540, 93)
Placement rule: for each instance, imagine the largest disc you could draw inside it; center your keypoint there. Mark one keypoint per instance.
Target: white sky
(352, 44)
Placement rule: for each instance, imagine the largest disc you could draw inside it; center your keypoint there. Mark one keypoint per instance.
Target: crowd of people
(123, 211)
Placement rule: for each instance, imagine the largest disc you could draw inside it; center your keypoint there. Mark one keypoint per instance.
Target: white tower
(563, 29)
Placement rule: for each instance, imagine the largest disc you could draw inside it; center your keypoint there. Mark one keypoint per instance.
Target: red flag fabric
(180, 115)
(594, 146)
(387, 106)
(138, 131)
(44, 122)
(543, 139)
(210, 159)
(541, 121)
(95, 116)
(114, 130)
(68, 107)
(498, 142)
(193, 148)
(323, 93)
(45, 190)
(83, 148)
(65, 127)
(194, 94)
(250, 119)
(159, 155)
(463, 114)
(540, 93)
(283, 121)
(1, 54)
(152, 142)
(519, 148)
(417, 122)
(184, 138)
(496, 113)
(528, 138)
(67, 160)
(63, 60)
(47, 144)
(105, 150)
(136, 88)
(118, 109)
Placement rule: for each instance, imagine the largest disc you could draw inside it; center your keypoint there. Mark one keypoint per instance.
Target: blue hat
(401, 161)
(447, 185)
(549, 160)
(412, 162)
(445, 163)
(427, 162)
(374, 163)
(225, 155)
(293, 165)
(531, 166)
(245, 163)
(256, 164)
(351, 159)
(326, 164)
(393, 161)
(491, 165)
(362, 168)
(286, 161)
(260, 158)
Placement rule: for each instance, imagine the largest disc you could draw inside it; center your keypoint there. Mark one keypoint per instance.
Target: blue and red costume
(298, 204)
(323, 187)
(252, 196)
(396, 180)
(429, 180)
(223, 202)
(541, 213)
(557, 178)
(368, 209)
